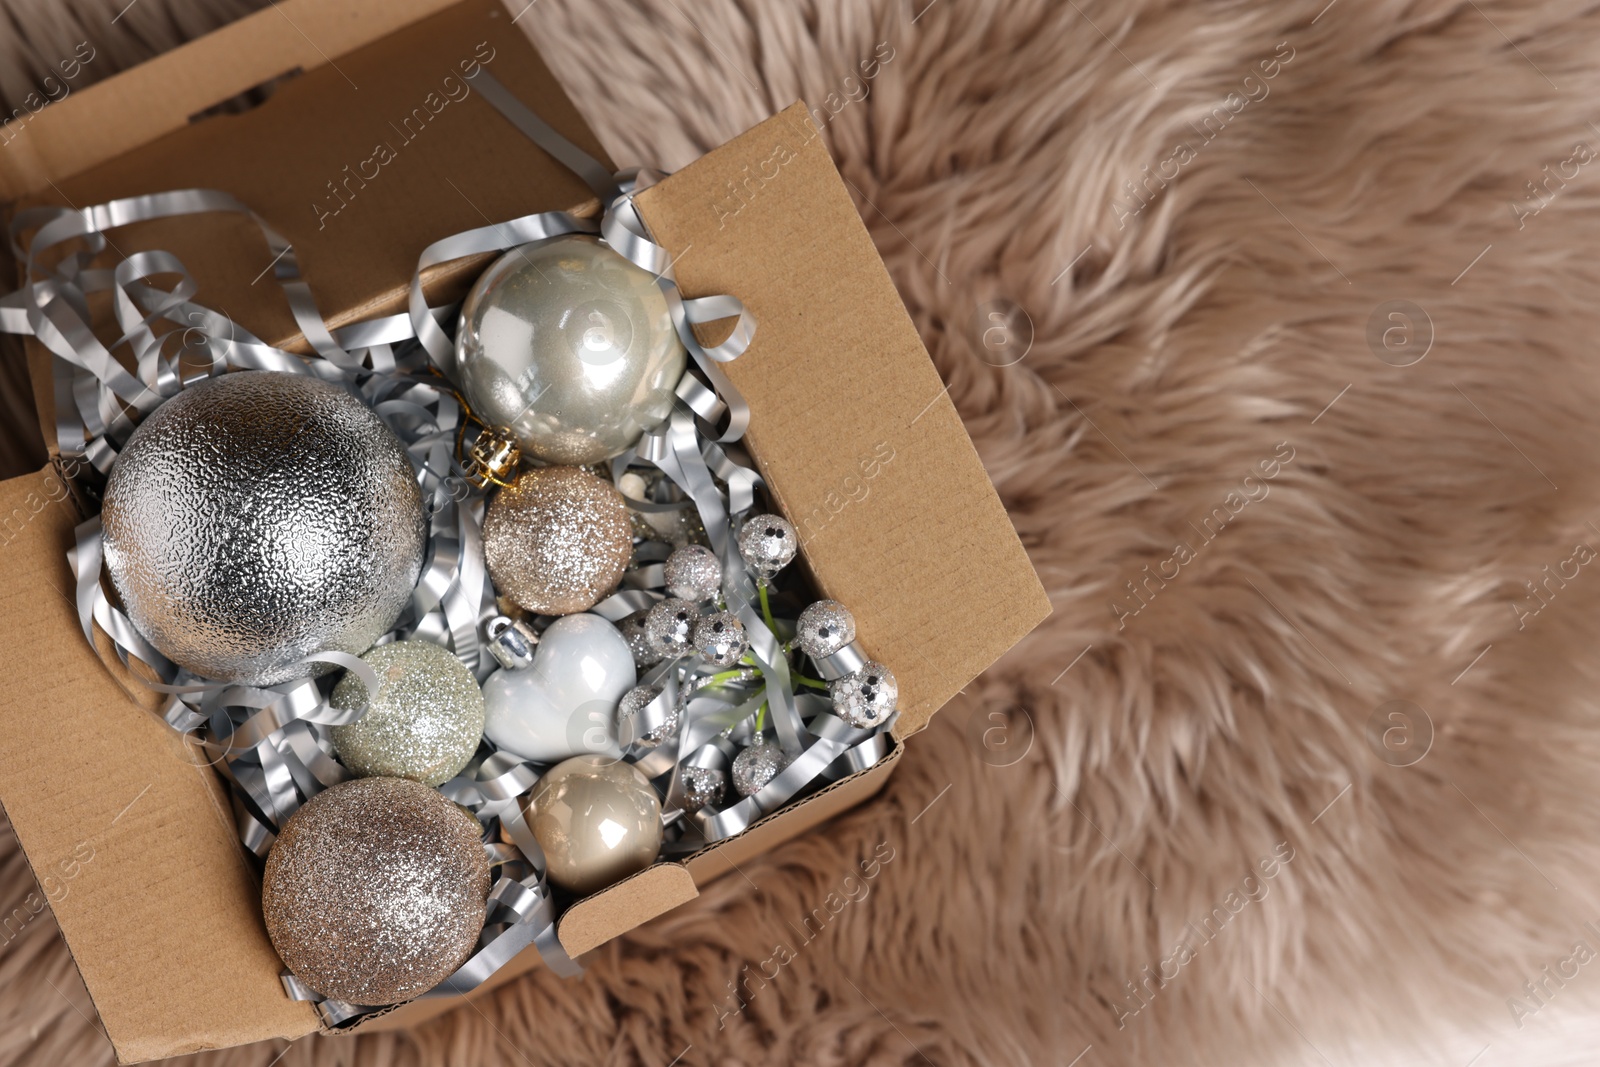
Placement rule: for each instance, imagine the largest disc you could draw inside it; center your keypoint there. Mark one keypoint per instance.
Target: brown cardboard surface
(301, 155)
(919, 546)
(654, 891)
(163, 918)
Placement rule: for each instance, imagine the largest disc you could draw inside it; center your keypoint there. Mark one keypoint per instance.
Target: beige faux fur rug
(1274, 324)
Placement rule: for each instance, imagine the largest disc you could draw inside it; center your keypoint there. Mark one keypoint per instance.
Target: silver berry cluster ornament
(693, 572)
(720, 638)
(757, 765)
(670, 626)
(633, 702)
(866, 697)
(824, 628)
(633, 631)
(703, 787)
(767, 543)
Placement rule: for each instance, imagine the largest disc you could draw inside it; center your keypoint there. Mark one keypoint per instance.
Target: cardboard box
(163, 918)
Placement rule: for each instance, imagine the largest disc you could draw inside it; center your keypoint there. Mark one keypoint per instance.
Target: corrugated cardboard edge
(632, 902)
(168, 891)
(917, 545)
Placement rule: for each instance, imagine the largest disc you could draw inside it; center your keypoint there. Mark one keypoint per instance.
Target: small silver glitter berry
(720, 638)
(693, 572)
(703, 787)
(824, 628)
(670, 625)
(767, 543)
(632, 629)
(634, 701)
(757, 765)
(866, 697)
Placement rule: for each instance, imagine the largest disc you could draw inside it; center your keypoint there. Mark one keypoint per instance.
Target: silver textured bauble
(258, 517)
(425, 723)
(670, 626)
(693, 572)
(571, 347)
(703, 787)
(767, 543)
(634, 701)
(597, 819)
(824, 628)
(719, 638)
(633, 631)
(556, 540)
(866, 697)
(757, 765)
(375, 890)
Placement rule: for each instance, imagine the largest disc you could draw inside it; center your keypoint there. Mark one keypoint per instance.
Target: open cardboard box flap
(850, 427)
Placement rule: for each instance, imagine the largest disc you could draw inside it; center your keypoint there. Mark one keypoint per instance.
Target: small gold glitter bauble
(557, 540)
(598, 821)
(375, 890)
(425, 723)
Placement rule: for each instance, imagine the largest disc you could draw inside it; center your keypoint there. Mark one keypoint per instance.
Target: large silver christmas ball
(375, 891)
(259, 517)
(569, 346)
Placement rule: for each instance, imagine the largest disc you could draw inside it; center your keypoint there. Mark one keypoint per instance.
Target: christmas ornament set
(476, 609)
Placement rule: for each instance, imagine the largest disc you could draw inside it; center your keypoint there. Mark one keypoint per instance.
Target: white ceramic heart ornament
(565, 704)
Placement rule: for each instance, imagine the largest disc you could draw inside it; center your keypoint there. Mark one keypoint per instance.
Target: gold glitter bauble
(598, 821)
(375, 890)
(557, 540)
(425, 722)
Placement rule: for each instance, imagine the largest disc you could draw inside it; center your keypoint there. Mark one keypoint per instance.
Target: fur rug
(1262, 519)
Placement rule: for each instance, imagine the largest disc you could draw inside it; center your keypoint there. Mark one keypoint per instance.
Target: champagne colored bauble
(258, 517)
(565, 703)
(598, 821)
(557, 540)
(570, 347)
(425, 722)
(375, 891)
